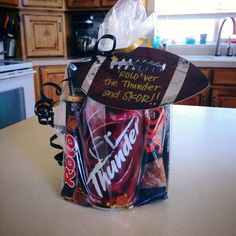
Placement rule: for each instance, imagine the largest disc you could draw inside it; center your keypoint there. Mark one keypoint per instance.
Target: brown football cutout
(142, 79)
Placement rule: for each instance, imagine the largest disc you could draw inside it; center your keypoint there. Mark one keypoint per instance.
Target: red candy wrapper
(112, 140)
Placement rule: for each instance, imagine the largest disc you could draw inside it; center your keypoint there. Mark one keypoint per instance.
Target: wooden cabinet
(37, 84)
(223, 97)
(221, 92)
(43, 3)
(201, 99)
(223, 89)
(9, 2)
(224, 76)
(54, 74)
(108, 3)
(94, 3)
(43, 34)
(83, 3)
(42, 27)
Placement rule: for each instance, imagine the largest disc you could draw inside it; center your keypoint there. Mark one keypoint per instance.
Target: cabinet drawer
(108, 3)
(224, 98)
(9, 2)
(224, 76)
(42, 3)
(83, 3)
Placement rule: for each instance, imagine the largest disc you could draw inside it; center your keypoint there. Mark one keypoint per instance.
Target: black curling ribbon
(58, 157)
(43, 109)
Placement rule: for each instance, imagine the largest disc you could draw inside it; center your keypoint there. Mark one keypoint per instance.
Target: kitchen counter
(202, 184)
(211, 61)
(197, 60)
(50, 61)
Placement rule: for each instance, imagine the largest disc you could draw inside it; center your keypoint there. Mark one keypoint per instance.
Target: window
(183, 21)
(167, 7)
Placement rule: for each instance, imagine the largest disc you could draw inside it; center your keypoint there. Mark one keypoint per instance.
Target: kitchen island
(202, 183)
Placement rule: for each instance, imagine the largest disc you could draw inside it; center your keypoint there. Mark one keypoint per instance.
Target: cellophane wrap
(114, 158)
(127, 21)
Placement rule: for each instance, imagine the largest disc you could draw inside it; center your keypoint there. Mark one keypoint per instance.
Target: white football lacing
(137, 65)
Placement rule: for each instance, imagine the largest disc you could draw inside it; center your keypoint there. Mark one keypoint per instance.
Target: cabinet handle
(59, 26)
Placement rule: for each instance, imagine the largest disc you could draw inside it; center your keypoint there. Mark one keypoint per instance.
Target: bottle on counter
(229, 52)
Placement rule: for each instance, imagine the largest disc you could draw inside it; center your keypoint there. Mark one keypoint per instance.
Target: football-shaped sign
(141, 79)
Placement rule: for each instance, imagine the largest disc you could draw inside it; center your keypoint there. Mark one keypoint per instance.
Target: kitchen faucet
(218, 45)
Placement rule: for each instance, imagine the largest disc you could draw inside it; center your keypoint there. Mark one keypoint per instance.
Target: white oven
(17, 97)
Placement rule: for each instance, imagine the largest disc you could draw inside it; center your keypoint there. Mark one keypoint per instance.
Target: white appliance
(1, 49)
(17, 97)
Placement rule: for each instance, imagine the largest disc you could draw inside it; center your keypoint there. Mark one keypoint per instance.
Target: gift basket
(113, 117)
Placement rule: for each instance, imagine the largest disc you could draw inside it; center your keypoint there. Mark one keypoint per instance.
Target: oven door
(17, 96)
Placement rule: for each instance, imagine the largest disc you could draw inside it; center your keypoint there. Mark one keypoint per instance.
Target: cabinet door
(108, 3)
(224, 76)
(43, 35)
(54, 74)
(83, 3)
(9, 2)
(42, 3)
(37, 84)
(224, 87)
(224, 97)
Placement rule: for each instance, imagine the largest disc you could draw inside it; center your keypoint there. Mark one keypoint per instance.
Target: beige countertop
(197, 60)
(52, 61)
(202, 184)
(211, 61)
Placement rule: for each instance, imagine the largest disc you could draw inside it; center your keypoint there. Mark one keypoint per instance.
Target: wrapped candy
(115, 158)
(113, 119)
